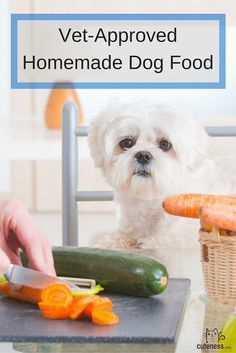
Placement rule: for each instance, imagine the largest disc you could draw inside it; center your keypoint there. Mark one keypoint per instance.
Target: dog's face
(145, 150)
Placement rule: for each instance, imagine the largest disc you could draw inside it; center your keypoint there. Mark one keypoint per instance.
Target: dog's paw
(147, 243)
(113, 240)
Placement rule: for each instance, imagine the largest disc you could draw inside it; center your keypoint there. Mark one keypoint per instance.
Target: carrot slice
(57, 293)
(99, 304)
(81, 296)
(27, 294)
(102, 317)
(54, 311)
(78, 308)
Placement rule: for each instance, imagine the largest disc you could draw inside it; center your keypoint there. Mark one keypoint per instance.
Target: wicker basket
(218, 256)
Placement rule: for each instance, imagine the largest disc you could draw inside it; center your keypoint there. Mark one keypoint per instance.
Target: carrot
(54, 311)
(219, 215)
(189, 205)
(56, 302)
(102, 317)
(100, 303)
(57, 293)
(27, 294)
(209, 228)
(78, 308)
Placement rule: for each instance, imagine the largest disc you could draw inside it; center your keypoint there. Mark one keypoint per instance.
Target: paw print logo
(213, 336)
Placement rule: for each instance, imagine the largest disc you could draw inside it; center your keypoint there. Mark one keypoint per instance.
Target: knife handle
(81, 282)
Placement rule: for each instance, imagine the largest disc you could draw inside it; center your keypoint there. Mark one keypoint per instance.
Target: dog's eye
(165, 145)
(126, 143)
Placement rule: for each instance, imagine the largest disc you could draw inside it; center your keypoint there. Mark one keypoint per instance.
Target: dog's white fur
(142, 223)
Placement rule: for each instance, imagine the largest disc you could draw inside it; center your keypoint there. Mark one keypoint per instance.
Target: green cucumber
(116, 271)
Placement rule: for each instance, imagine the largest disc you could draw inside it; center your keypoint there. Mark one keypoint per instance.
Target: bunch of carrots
(56, 301)
(217, 211)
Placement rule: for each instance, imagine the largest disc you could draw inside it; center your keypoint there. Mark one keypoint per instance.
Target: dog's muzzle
(143, 157)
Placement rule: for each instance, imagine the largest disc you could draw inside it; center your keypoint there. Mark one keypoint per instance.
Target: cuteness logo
(213, 340)
(213, 336)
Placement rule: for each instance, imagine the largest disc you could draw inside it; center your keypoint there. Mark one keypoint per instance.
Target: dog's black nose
(143, 157)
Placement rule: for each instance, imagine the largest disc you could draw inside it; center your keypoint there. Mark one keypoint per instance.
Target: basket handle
(204, 252)
(213, 236)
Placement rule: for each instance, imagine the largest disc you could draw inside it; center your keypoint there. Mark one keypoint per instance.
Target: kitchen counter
(200, 314)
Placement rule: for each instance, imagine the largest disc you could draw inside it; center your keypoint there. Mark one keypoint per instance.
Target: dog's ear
(190, 142)
(98, 129)
(198, 146)
(96, 141)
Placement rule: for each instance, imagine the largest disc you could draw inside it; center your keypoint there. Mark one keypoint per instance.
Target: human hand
(18, 231)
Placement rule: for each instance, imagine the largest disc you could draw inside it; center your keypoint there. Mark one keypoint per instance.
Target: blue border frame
(124, 17)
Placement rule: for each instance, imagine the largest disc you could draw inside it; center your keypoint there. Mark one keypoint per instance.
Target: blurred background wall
(5, 168)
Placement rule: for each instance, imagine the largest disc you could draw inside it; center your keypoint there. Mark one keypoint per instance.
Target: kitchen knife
(22, 276)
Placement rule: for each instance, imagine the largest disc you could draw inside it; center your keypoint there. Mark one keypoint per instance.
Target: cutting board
(142, 320)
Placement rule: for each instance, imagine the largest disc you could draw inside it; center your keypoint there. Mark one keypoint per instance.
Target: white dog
(147, 152)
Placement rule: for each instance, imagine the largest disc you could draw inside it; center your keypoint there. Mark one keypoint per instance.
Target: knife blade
(18, 275)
